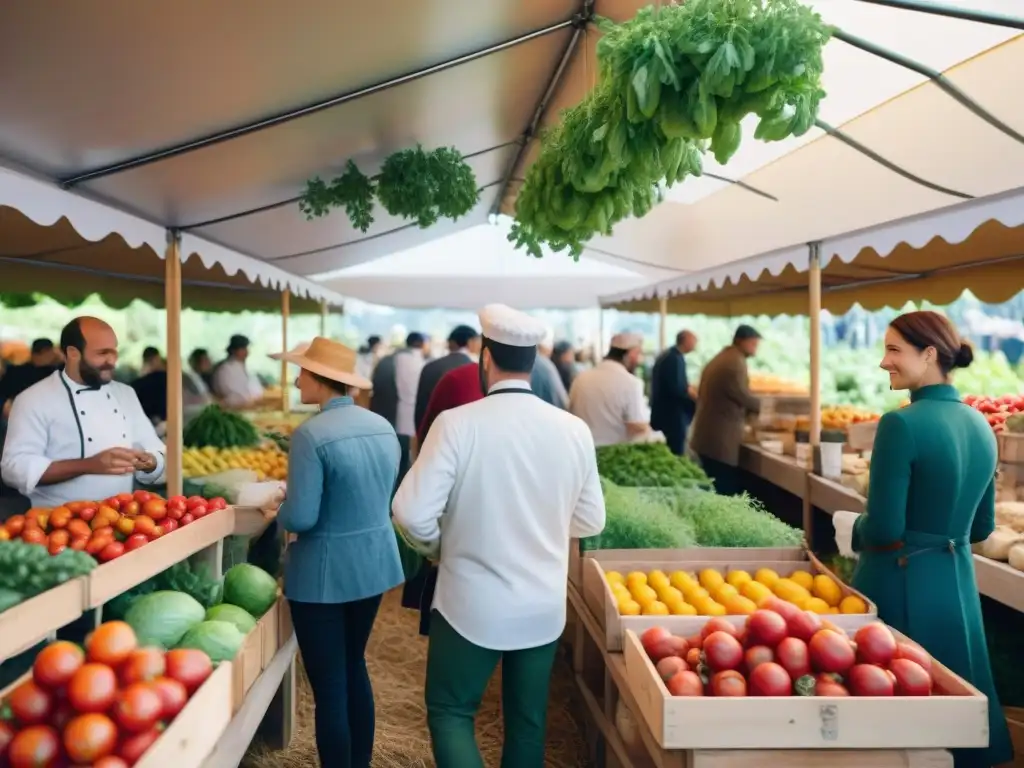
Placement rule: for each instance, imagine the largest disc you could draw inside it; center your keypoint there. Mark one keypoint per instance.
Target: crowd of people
(486, 467)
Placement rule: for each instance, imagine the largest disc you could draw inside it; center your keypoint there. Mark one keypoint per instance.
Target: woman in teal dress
(932, 494)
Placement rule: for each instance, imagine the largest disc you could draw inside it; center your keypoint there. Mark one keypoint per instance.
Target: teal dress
(932, 494)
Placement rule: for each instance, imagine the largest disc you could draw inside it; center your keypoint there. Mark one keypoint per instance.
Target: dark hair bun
(964, 356)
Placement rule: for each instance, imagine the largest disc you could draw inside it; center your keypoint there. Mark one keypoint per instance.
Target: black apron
(418, 592)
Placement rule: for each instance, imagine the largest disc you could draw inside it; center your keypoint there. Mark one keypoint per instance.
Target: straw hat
(298, 349)
(329, 359)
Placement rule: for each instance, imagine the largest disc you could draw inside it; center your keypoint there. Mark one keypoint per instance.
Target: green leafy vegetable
(637, 518)
(214, 426)
(30, 570)
(647, 465)
(671, 80)
(733, 521)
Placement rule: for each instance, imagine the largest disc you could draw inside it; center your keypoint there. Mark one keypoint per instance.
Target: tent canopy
(202, 117)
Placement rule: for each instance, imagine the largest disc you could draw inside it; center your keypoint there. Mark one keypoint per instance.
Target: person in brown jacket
(723, 402)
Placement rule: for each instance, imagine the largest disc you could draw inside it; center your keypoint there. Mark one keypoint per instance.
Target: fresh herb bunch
(733, 521)
(674, 82)
(648, 465)
(414, 184)
(213, 426)
(637, 519)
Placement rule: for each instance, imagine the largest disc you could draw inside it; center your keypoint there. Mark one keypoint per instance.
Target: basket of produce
(783, 678)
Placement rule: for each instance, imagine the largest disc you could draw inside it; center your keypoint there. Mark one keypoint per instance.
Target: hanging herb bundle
(674, 82)
(414, 184)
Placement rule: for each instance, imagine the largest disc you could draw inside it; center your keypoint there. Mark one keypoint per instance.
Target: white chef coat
(408, 367)
(607, 397)
(59, 419)
(503, 484)
(233, 383)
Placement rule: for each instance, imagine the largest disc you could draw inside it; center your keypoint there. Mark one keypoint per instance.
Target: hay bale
(397, 658)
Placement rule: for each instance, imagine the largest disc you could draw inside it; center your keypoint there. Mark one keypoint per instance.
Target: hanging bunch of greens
(414, 184)
(674, 82)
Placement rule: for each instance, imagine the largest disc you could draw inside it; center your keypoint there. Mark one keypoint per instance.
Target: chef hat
(510, 326)
(627, 341)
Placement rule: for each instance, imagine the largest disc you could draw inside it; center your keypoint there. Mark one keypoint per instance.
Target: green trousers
(457, 675)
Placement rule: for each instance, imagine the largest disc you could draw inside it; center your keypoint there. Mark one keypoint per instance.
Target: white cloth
(234, 385)
(843, 522)
(627, 341)
(510, 326)
(408, 367)
(365, 363)
(503, 484)
(43, 428)
(607, 398)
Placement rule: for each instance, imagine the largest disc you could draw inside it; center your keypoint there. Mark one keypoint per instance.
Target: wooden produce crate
(32, 621)
(598, 596)
(861, 436)
(715, 554)
(1011, 475)
(111, 579)
(957, 718)
(256, 653)
(1011, 447)
(836, 758)
(1015, 722)
(197, 728)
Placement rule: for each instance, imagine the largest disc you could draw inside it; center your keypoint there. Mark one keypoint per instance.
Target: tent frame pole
(814, 314)
(662, 324)
(952, 12)
(173, 442)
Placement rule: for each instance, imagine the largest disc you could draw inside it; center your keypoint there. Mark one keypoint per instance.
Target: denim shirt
(342, 468)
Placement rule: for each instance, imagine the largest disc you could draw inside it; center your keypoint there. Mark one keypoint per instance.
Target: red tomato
(138, 708)
(111, 643)
(56, 663)
(757, 654)
(199, 511)
(217, 503)
(31, 704)
(830, 688)
(63, 714)
(130, 508)
(186, 519)
(194, 501)
(6, 735)
(33, 536)
(911, 678)
(869, 680)
(112, 551)
(169, 525)
(92, 688)
(176, 500)
(134, 747)
(86, 514)
(685, 684)
(174, 695)
(175, 512)
(188, 666)
(728, 683)
(143, 496)
(79, 543)
(143, 665)
(668, 667)
(693, 658)
(135, 541)
(155, 509)
(722, 651)
(875, 644)
(87, 738)
(35, 747)
(792, 656)
(781, 607)
(695, 641)
(652, 637)
(831, 652)
(718, 624)
(770, 679)
(98, 543)
(144, 526)
(766, 628)
(803, 624)
(907, 649)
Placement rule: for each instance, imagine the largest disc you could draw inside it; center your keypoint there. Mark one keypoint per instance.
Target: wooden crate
(111, 579)
(1011, 448)
(256, 653)
(1011, 475)
(599, 598)
(836, 758)
(270, 629)
(861, 437)
(716, 554)
(197, 728)
(1015, 722)
(959, 719)
(32, 621)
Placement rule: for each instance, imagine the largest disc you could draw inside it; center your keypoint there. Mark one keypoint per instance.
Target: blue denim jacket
(342, 468)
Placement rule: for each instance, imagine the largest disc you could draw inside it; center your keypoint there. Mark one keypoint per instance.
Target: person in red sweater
(460, 386)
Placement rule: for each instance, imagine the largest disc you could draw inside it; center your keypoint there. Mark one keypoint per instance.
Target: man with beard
(723, 402)
(78, 434)
(609, 397)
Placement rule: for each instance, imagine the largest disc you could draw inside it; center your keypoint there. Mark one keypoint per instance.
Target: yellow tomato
(656, 608)
(681, 579)
(724, 592)
(657, 579)
(635, 579)
(668, 594)
(682, 608)
(766, 576)
(629, 607)
(853, 604)
(816, 605)
(614, 577)
(644, 594)
(803, 578)
(711, 579)
(790, 591)
(740, 606)
(826, 588)
(756, 592)
(738, 578)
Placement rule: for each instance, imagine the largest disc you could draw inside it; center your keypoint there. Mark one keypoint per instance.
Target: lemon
(629, 607)
(644, 594)
(681, 608)
(737, 605)
(620, 590)
(680, 579)
(711, 579)
(724, 592)
(657, 579)
(790, 591)
(766, 576)
(738, 578)
(656, 608)
(716, 609)
(635, 579)
(853, 604)
(614, 577)
(826, 588)
(755, 591)
(815, 605)
(668, 594)
(803, 578)
(694, 592)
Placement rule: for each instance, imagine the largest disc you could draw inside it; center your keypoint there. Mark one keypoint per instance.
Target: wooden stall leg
(278, 726)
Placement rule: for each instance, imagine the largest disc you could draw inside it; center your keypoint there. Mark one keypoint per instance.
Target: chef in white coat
(498, 490)
(78, 434)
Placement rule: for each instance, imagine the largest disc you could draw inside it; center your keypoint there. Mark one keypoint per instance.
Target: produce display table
(831, 496)
(782, 471)
(603, 685)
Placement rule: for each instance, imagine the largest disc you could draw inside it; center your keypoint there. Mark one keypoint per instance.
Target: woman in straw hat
(342, 469)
